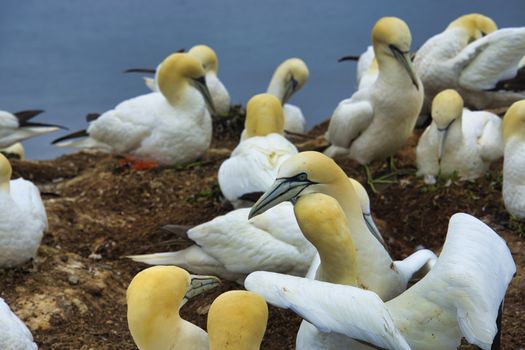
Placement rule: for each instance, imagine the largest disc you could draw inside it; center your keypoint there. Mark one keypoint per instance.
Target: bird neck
(344, 192)
(276, 87)
(392, 72)
(338, 260)
(5, 187)
(157, 331)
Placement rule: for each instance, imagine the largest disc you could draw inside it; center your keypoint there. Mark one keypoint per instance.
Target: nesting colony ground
(72, 296)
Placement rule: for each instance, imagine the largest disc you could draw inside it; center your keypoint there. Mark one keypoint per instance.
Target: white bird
(231, 246)
(459, 297)
(311, 172)
(475, 59)
(376, 121)
(155, 295)
(14, 334)
(15, 127)
(168, 127)
(288, 78)
(458, 140)
(513, 160)
(218, 92)
(253, 164)
(16, 151)
(367, 69)
(23, 218)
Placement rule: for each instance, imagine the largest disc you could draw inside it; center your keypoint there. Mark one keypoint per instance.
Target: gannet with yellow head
(15, 335)
(513, 161)
(154, 298)
(237, 321)
(459, 298)
(23, 218)
(19, 126)
(458, 140)
(253, 164)
(375, 122)
(477, 60)
(172, 126)
(313, 172)
(288, 78)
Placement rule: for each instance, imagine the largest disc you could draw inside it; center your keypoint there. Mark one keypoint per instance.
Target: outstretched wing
(354, 312)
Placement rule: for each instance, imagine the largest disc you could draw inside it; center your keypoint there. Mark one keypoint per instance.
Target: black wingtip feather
(24, 116)
(74, 135)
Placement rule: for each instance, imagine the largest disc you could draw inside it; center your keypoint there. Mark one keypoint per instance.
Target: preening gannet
(376, 121)
(14, 334)
(237, 321)
(310, 172)
(154, 298)
(253, 164)
(14, 151)
(218, 92)
(458, 140)
(169, 127)
(459, 297)
(23, 218)
(513, 160)
(474, 58)
(15, 127)
(288, 78)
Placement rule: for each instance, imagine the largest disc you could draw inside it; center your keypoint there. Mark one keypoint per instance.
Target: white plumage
(459, 297)
(253, 165)
(13, 129)
(23, 221)
(14, 334)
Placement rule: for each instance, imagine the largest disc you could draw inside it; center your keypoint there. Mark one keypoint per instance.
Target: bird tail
(86, 141)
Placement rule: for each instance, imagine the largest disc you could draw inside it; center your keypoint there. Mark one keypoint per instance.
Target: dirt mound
(72, 295)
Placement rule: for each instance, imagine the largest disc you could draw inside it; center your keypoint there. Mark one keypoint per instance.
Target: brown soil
(72, 296)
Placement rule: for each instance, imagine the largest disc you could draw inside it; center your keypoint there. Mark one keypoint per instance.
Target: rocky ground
(72, 296)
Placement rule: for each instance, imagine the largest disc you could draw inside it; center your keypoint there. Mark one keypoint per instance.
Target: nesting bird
(236, 319)
(14, 334)
(253, 164)
(474, 58)
(288, 78)
(458, 140)
(169, 127)
(23, 218)
(513, 160)
(208, 58)
(15, 127)
(376, 121)
(459, 298)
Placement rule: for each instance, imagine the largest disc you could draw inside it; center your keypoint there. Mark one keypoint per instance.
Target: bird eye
(302, 177)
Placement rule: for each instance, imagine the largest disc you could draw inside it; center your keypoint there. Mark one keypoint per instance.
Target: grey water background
(67, 57)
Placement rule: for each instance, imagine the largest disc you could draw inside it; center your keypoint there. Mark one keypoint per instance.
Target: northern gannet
(236, 319)
(168, 127)
(154, 298)
(459, 297)
(310, 172)
(513, 160)
(16, 151)
(253, 164)
(14, 334)
(218, 92)
(15, 127)
(474, 58)
(23, 218)
(458, 140)
(367, 69)
(287, 79)
(376, 121)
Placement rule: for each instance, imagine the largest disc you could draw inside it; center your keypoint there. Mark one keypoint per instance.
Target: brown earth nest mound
(72, 296)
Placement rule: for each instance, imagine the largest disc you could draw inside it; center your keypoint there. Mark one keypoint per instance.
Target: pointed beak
(283, 189)
(405, 59)
(348, 58)
(369, 221)
(200, 85)
(200, 284)
(289, 89)
(141, 70)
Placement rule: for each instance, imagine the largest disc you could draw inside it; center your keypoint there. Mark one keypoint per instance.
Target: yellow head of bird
(289, 77)
(514, 122)
(264, 115)
(391, 31)
(154, 297)
(5, 173)
(207, 56)
(475, 24)
(447, 106)
(237, 321)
